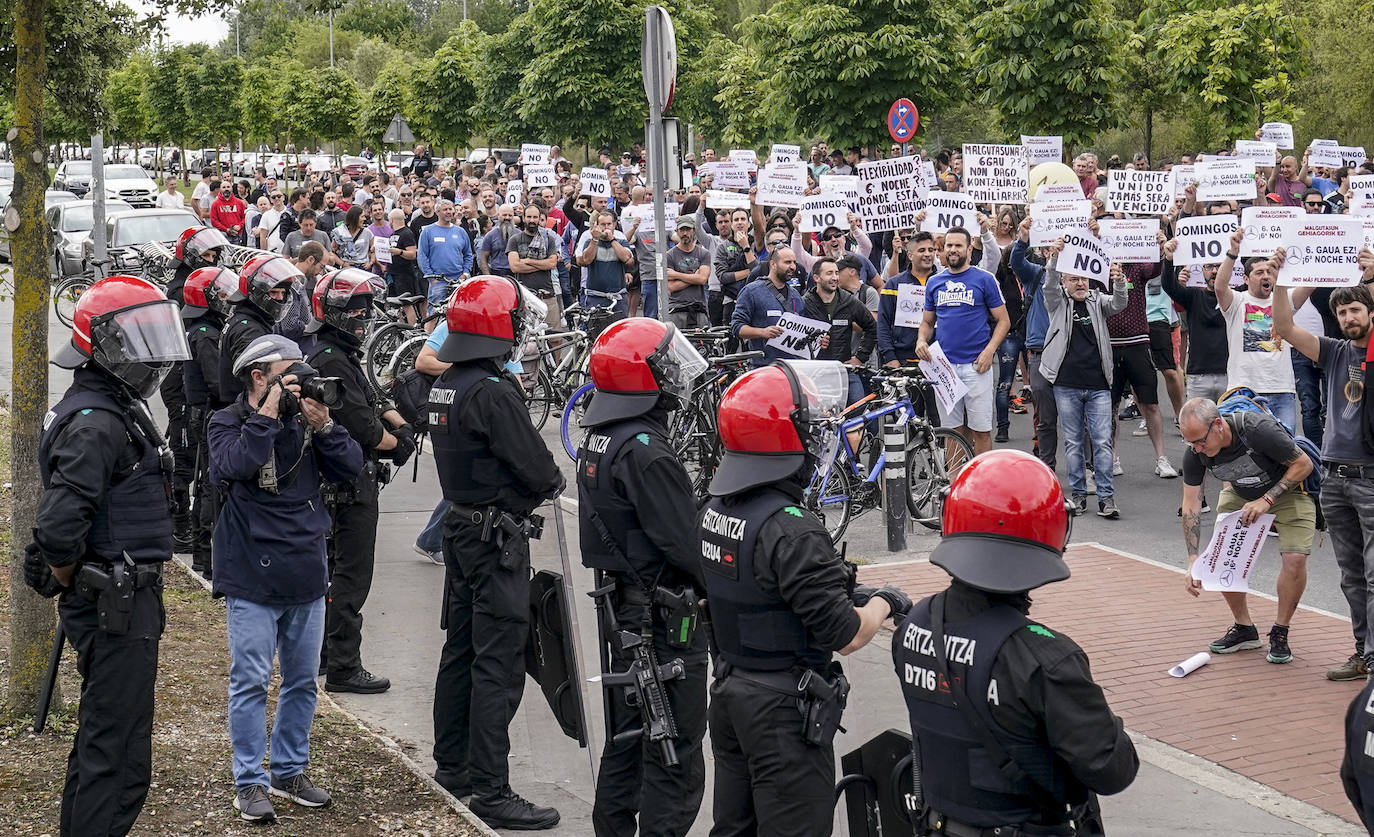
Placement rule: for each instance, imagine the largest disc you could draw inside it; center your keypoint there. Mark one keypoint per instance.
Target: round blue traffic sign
(902, 120)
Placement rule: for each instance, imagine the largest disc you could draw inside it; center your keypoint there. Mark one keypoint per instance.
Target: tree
(386, 99)
(724, 96)
(391, 20)
(836, 67)
(166, 99)
(1050, 68)
(444, 89)
(124, 104)
(368, 59)
(1338, 101)
(329, 97)
(498, 75)
(260, 103)
(222, 78)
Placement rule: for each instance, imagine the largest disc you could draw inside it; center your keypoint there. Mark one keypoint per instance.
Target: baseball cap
(685, 222)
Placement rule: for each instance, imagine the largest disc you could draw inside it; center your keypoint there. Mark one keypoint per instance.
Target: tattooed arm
(1298, 469)
(1191, 512)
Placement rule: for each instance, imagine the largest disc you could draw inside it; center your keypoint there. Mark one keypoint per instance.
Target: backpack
(1243, 400)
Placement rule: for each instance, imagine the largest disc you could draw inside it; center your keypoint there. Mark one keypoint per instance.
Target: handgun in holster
(679, 610)
(823, 701)
(508, 531)
(112, 592)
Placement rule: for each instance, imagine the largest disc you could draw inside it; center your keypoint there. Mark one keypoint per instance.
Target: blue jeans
(1007, 354)
(1090, 409)
(1311, 386)
(256, 631)
(431, 538)
(1285, 406)
(648, 293)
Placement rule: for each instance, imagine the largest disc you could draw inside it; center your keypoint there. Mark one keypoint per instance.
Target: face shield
(138, 345)
(205, 240)
(677, 365)
(820, 389)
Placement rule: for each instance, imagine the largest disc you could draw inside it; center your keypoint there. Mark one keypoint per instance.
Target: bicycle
(841, 489)
(557, 382)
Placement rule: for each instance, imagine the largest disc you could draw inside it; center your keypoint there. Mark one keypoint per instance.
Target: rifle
(40, 715)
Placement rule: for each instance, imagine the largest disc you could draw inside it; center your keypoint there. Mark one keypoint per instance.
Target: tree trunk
(31, 616)
(1149, 134)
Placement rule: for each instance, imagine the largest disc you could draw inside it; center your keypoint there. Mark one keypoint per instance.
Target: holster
(508, 531)
(823, 703)
(112, 589)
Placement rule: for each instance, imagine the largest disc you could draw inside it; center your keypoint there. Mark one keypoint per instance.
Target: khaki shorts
(1295, 518)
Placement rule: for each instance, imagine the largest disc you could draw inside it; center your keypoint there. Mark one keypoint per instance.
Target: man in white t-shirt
(1259, 358)
(202, 196)
(171, 197)
(267, 232)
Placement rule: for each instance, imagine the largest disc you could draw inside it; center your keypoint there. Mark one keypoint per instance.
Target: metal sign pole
(657, 154)
(97, 198)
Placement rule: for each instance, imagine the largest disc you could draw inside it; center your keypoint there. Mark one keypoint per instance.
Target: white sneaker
(1164, 470)
(1117, 470)
(434, 557)
(1140, 431)
(1092, 484)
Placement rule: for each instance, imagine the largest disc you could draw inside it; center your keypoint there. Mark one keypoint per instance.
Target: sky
(206, 29)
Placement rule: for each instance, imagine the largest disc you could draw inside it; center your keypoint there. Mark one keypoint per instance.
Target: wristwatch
(326, 428)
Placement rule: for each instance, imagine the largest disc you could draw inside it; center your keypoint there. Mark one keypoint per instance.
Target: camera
(327, 391)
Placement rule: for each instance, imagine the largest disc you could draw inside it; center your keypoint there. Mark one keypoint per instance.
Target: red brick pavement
(1278, 725)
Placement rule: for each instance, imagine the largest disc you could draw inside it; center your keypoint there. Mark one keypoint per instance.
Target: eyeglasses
(1311, 203)
(833, 237)
(778, 243)
(1200, 442)
(277, 197)
(406, 194)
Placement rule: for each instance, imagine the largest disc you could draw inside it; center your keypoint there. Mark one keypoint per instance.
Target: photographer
(342, 305)
(262, 300)
(269, 452)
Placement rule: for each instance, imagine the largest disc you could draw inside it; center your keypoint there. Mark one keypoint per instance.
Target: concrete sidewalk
(1176, 793)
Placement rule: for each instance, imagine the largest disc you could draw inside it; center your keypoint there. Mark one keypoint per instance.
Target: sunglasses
(277, 197)
(1312, 203)
(406, 194)
(833, 237)
(780, 242)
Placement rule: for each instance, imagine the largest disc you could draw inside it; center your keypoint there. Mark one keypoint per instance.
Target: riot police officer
(260, 302)
(495, 471)
(341, 303)
(103, 531)
(637, 516)
(205, 296)
(1357, 768)
(196, 247)
(781, 603)
(986, 685)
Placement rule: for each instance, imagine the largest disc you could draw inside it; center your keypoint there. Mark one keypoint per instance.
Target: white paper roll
(1191, 664)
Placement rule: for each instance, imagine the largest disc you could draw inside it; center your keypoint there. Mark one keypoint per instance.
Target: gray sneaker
(1355, 668)
(253, 805)
(300, 790)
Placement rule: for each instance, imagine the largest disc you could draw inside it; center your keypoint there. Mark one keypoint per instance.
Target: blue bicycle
(844, 488)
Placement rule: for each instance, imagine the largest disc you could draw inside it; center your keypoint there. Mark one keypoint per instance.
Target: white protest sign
(1352, 156)
(1361, 184)
(595, 182)
(1139, 192)
(383, 251)
(533, 154)
(515, 189)
(730, 174)
(1184, 176)
(1263, 227)
(1084, 255)
(945, 210)
(1264, 153)
(842, 184)
(821, 211)
(1324, 153)
(1051, 192)
(784, 153)
(891, 193)
(799, 335)
(539, 176)
(1362, 204)
(1195, 277)
(1322, 250)
(996, 173)
(949, 387)
(1231, 553)
(1052, 219)
(1043, 149)
(1205, 239)
(1227, 179)
(1279, 133)
(1130, 240)
(746, 157)
(928, 176)
(911, 303)
(1368, 223)
(720, 199)
(782, 184)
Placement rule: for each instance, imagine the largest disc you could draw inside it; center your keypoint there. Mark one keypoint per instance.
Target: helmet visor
(206, 239)
(823, 387)
(353, 288)
(148, 333)
(678, 365)
(277, 272)
(530, 320)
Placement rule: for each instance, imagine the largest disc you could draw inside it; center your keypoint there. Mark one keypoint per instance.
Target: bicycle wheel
(572, 412)
(380, 350)
(831, 501)
(65, 296)
(539, 398)
(931, 462)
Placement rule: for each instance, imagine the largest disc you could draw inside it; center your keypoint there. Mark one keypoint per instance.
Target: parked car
(73, 176)
(355, 167)
(51, 199)
(6, 171)
(505, 156)
(131, 184)
(398, 163)
(126, 232)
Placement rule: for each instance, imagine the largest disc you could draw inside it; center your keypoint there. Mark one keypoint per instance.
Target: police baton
(40, 714)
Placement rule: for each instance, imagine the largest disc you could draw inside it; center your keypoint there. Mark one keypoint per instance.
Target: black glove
(899, 601)
(405, 445)
(862, 593)
(38, 575)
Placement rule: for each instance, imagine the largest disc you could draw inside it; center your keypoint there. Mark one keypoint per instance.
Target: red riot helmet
(343, 299)
(489, 317)
(195, 242)
(208, 288)
(263, 274)
(127, 327)
(634, 364)
(767, 419)
(1006, 524)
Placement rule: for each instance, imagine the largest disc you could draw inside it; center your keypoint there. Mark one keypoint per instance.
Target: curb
(390, 745)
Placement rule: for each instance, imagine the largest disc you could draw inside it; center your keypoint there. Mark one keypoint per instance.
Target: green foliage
(499, 73)
(260, 103)
(836, 67)
(445, 89)
(392, 20)
(367, 61)
(220, 81)
(1239, 59)
(386, 99)
(125, 106)
(1050, 68)
(1338, 99)
(170, 112)
(740, 114)
(330, 98)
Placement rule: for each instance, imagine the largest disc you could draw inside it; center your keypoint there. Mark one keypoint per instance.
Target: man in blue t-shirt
(965, 304)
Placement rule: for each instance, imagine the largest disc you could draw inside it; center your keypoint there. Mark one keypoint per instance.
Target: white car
(131, 184)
